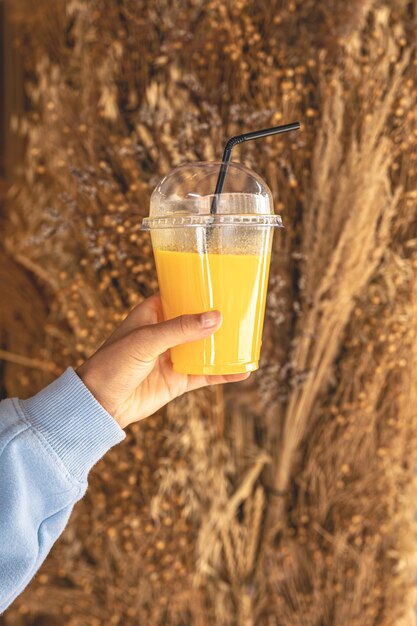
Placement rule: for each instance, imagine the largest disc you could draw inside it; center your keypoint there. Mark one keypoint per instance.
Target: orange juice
(236, 285)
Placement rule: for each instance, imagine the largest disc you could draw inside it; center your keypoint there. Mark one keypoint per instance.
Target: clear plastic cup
(217, 261)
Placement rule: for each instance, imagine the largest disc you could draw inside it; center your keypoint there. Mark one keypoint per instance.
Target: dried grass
(291, 500)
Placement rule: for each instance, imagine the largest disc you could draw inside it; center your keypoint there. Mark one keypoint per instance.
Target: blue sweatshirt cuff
(73, 423)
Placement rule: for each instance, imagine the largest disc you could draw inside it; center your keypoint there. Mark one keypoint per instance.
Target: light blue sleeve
(48, 444)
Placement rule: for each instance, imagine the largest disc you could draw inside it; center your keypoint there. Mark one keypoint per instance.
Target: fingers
(152, 341)
(196, 382)
(147, 312)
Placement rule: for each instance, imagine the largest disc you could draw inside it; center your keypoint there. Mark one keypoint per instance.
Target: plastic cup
(217, 261)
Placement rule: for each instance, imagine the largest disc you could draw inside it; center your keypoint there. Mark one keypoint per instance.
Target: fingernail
(211, 318)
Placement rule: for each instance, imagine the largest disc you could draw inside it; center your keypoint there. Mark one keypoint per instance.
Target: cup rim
(212, 220)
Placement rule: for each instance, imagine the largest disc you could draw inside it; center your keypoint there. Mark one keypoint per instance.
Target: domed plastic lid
(185, 197)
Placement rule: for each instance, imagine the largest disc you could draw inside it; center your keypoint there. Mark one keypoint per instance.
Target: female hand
(131, 375)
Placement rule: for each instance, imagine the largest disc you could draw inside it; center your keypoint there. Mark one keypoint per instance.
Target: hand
(131, 375)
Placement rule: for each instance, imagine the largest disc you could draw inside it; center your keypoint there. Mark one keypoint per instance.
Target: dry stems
(291, 501)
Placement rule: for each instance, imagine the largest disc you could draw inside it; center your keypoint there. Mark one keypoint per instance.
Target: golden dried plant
(290, 501)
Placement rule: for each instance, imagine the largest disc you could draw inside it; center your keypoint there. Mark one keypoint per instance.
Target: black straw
(233, 141)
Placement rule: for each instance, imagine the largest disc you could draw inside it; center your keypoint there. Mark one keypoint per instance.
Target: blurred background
(289, 499)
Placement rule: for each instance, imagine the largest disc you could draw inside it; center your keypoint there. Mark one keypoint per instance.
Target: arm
(48, 444)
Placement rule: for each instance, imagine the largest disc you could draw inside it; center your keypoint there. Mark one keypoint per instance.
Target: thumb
(155, 339)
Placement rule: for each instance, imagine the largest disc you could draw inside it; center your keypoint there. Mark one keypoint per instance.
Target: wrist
(76, 427)
(87, 373)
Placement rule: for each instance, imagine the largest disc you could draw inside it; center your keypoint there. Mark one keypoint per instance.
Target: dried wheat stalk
(292, 501)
